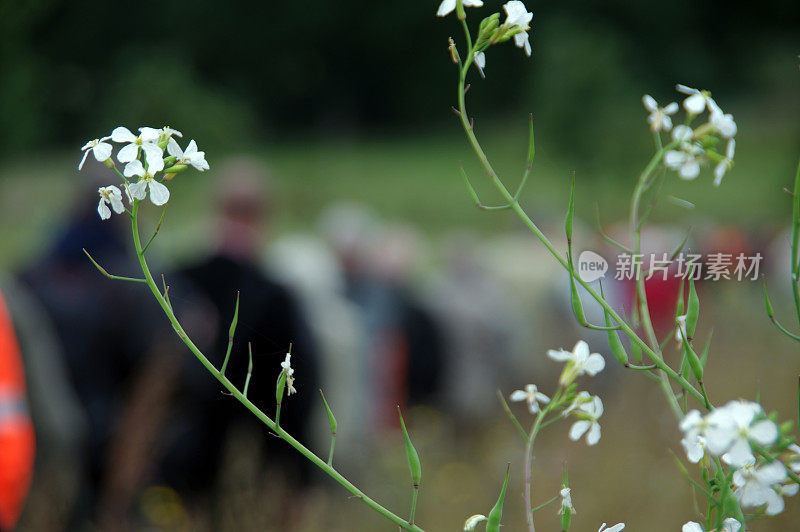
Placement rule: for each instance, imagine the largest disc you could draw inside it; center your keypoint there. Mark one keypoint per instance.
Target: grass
(416, 179)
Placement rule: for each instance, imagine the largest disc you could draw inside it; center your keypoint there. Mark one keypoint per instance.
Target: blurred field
(630, 476)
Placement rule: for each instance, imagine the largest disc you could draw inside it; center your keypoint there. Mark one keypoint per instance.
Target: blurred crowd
(108, 421)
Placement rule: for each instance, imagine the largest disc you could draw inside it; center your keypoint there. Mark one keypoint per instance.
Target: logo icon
(591, 266)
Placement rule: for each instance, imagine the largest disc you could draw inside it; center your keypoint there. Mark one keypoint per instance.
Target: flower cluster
(143, 156)
(491, 31)
(727, 431)
(695, 145)
(728, 525)
(733, 432)
(585, 408)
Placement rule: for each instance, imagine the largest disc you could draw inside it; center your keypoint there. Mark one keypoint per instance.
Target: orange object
(17, 442)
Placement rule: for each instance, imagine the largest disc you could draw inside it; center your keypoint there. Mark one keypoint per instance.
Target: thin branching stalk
(513, 201)
(239, 396)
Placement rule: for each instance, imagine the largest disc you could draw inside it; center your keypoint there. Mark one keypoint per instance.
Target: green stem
(796, 243)
(333, 444)
(554, 499)
(520, 212)
(528, 468)
(644, 309)
(414, 494)
(231, 388)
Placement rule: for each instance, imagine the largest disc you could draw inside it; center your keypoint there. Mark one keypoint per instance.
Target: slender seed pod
(414, 464)
(493, 522)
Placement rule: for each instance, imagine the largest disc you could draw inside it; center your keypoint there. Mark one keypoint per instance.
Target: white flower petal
(689, 171)
(154, 156)
(103, 210)
(122, 134)
(559, 355)
(594, 364)
(581, 349)
(445, 8)
(128, 153)
(159, 194)
(174, 149)
(149, 134)
(102, 151)
(578, 428)
(730, 525)
(139, 189)
(695, 104)
(83, 160)
(133, 168)
(764, 432)
(739, 454)
(518, 395)
(686, 90)
(692, 526)
(594, 434)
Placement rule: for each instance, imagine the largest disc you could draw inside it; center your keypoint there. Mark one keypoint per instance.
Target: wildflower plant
(738, 447)
(744, 459)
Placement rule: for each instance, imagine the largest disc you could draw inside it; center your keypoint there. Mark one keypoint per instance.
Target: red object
(17, 442)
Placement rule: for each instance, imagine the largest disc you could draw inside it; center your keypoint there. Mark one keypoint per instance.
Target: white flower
(159, 194)
(517, 15)
(725, 164)
(447, 6)
(100, 149)
(755, 486)
(472, 521)
(615, 528)
(480, 62)
(794, 458)
(167, 132)
(532, 395)
(659, 116)
(693, 424)
(289, 370)
(686, 160)
(109, 195)
(731, 429)
(728, 525)
(190, 156)
(287, 364)
(579, 361)
(581, 398)
(723, 123)
(589, 412)
(697, 100)
(566, 501)
(146, 140)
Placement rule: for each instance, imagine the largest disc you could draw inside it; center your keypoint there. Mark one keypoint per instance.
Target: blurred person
(201, 419)
(403, 359)
(480, 333)
(102, 327)
(17, 442)
(308, 265)
(59, 422)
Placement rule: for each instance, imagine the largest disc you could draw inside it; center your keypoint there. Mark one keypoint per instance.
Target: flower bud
(487, 29)
(414, 464)
(453, 51)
